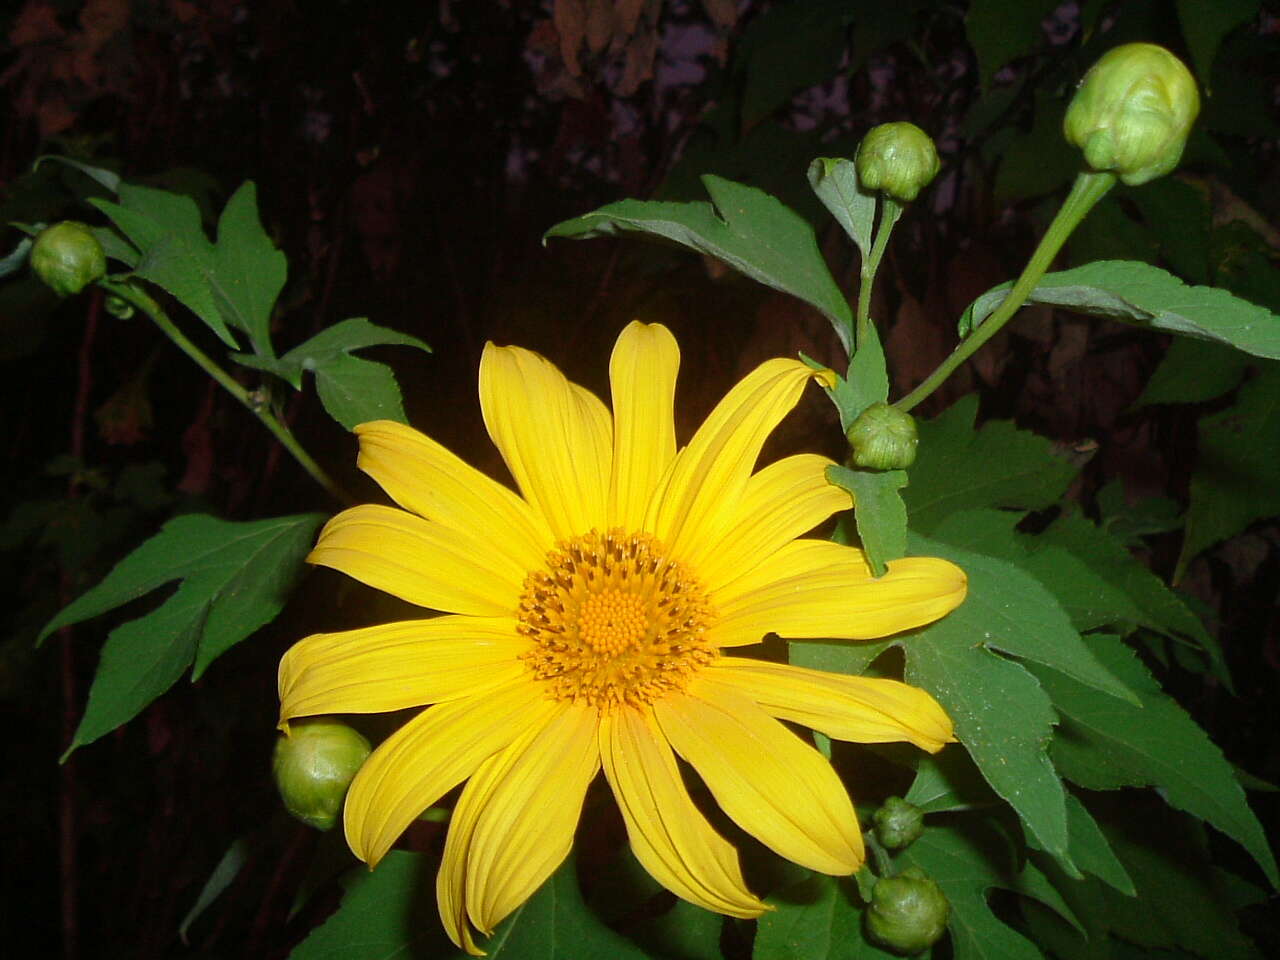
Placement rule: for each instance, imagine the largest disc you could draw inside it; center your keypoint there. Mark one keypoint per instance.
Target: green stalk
(1088, 189)
(279, 430)
(890, 211)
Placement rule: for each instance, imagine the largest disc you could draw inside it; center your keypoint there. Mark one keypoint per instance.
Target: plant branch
(248, 400)
(1088, 189)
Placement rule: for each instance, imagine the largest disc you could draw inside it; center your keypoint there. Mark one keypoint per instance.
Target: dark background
(408, 164)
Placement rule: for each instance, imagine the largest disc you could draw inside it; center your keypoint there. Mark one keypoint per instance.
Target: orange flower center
(614, 620)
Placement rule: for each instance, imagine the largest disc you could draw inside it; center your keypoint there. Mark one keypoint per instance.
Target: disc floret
(614, 620)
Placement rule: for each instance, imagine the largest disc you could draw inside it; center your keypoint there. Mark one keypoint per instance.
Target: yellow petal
(420, 561)
(431, 754)
(697, 498)
(669, 835)
(398, 665)
(815, 588)
(555, 437)
(422, 476)
(783, 501)
(526, 827)
(772, 784)
(451, 880)
(642, 372)
(858, 709)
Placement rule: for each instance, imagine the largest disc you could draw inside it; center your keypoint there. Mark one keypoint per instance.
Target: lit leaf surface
(235, 578)
(742, 226)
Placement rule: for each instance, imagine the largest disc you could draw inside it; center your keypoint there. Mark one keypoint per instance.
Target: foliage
(1093, 806)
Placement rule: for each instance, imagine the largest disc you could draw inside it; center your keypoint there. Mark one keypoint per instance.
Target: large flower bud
(898, 823)
(908, 912)
(314, 764)
(898, 158)
(68, 257)
(883, 438)
(1133, 111)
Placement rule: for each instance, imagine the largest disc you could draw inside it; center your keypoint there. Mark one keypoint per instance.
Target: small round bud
(1132, 112)
(908, 912)
(898, 158)
(314, 764)
(118, 307)
(898, 823)
(883, 438)
(68, 257)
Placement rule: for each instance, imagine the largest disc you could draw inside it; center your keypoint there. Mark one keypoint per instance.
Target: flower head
(898, 158)
(1133, 111)
(590, 624)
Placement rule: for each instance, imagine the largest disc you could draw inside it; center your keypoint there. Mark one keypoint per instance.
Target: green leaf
(1181, 902)
(815, 919)
(684, 932)
(1105, 743)
(386, 912)
(175, 253)
(835, 181)
(948, 781)
(966, 859)
(1151, 298)
(878, 512)
(116, 247)
(746, 228)
(958, 468)
(390, 912)
(1177, 213)
(223, 874)
(1194, 371)
(1000, 30)
(1205, 24)
(1090, 850)
(235, 578)
(1131, 594)
(353, 391)
(555, 924)
(108, 179)
(248, 272)
(1237, 475)
(1008, 611)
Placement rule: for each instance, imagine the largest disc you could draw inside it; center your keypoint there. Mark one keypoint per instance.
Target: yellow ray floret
(581, 623)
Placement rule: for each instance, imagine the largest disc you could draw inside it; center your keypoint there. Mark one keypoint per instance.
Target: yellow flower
(590, 623)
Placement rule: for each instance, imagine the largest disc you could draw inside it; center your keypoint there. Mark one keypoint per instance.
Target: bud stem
(883, 861)
(1088, 189)
(890, 211)
(137, 297)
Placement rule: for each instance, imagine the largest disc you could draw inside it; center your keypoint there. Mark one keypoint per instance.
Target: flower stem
(883, 862)
(141, 300)
(1088, 189)
(890, 211)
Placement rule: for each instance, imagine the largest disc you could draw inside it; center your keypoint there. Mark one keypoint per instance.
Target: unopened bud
(883, 438)
(908, 912)
(898, 823)
(1133, 111)
(314, 764)
(897, 158)
(68, 257)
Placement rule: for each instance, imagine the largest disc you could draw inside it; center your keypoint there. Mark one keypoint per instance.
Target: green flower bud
(908, 912)
(314, 764)
(883, 438)
(117, 306)
(898, 823)
(68, 257)
(898, 158)
(1132, 112)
